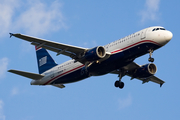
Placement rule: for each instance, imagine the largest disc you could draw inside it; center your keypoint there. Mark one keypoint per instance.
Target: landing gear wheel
(151, 59)
(116, 84)
(119, 84)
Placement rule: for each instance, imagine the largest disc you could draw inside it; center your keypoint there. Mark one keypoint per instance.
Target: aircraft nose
(168, 36)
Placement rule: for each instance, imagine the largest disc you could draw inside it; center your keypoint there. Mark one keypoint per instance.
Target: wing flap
(33, 76)
(155, 80)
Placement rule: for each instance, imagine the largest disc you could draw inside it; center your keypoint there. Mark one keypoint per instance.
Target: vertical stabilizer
(44, 60)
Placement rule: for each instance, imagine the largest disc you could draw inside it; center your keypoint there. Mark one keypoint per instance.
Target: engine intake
(146, 71)
(96, 53)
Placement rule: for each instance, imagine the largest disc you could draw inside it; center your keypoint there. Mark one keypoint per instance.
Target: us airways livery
(116, 58)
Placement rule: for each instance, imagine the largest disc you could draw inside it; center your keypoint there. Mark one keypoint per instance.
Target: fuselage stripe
(119, 50)
(62, 75)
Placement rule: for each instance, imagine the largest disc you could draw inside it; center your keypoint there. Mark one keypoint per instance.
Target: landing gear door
(143, 34)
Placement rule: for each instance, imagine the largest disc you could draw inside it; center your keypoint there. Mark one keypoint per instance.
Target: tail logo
(42, 61)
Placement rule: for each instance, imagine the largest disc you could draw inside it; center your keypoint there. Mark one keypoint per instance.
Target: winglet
(11, 34)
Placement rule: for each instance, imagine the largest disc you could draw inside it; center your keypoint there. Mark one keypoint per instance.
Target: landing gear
(151, 59)
(150, 56)
(85, 69)
(119, 83)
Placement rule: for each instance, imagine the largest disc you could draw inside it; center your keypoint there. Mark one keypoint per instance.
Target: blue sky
(87, 24)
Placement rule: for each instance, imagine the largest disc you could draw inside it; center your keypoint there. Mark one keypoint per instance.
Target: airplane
(116, 58)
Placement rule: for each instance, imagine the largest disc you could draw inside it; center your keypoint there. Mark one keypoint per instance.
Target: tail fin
(44, 60)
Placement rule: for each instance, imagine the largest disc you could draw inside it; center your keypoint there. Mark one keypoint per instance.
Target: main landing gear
(119, 83)
(150, 56)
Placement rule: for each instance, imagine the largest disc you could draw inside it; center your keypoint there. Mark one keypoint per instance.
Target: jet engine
(145, 71)
(96, 53)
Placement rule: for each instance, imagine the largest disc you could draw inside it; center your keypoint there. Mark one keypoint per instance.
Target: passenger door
(143, 34)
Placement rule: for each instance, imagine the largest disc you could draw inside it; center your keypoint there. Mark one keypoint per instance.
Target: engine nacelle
(145, 71)
(96, 53)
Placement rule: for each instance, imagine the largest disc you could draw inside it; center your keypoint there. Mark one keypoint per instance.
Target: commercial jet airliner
(116, 58)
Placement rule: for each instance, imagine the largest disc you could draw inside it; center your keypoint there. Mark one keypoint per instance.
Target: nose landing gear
(151, 59)
(150, 56)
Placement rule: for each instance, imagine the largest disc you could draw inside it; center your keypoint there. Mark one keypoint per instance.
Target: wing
(68, 50)
(131, 67)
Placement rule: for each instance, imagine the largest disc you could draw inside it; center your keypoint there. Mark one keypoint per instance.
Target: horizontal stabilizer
(33, 76)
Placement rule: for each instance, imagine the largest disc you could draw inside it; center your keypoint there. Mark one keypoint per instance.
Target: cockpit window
(162, 29)
(156, 29)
